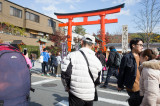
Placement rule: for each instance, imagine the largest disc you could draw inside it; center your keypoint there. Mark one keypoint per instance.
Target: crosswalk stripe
(111, 101)
(62, 103)
(43, 81)
(115, 93)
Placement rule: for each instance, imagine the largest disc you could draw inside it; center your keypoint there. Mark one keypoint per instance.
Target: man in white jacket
(75, 74)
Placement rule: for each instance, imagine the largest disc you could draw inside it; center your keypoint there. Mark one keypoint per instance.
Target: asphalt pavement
(49, 91)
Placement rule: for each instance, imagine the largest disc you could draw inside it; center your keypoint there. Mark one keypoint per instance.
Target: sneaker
(42, 74)
(56, 75)
(48, 74)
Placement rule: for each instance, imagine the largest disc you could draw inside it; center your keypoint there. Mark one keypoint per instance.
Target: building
(37, 25)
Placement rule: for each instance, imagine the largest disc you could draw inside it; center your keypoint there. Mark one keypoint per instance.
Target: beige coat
(149, 83)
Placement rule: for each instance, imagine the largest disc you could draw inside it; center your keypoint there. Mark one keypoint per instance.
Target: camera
(25, 51)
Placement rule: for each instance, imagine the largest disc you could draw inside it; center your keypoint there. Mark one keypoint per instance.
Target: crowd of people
(51, 61)
(137, 71)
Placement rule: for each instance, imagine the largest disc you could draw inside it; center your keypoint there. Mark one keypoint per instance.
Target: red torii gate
(102, 13)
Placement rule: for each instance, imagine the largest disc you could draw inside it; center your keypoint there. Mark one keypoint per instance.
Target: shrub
(31, 49)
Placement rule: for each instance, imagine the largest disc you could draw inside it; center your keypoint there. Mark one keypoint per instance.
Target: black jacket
(111, 58)
(127, 71)
(101, 57)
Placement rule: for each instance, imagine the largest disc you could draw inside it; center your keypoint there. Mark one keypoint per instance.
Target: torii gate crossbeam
(101, 12)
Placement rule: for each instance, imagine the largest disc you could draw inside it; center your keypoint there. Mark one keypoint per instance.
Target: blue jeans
(111, 71)
(32, 61)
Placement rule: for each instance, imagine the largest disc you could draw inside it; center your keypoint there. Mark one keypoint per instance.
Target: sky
(125, 17)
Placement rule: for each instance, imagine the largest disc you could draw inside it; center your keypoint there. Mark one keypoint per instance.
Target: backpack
(117, 60)
(15, 79)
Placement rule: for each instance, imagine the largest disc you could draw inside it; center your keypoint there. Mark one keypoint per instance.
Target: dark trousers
(111, 71)
(75, 101)
(44, 64)
(55, 68)
(102, 75)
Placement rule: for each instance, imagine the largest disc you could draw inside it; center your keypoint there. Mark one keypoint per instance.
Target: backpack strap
(87, 65)
(95, 93)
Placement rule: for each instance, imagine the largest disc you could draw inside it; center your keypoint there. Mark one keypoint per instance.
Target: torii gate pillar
(103, 31)
(69, 39)
(102, 13)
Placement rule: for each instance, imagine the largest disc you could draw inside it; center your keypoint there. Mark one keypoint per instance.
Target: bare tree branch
(148, 18)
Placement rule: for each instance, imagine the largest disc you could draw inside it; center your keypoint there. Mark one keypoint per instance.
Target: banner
(64, 50)
(124, 38)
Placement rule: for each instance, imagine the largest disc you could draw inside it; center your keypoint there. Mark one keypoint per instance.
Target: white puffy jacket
(81, 84)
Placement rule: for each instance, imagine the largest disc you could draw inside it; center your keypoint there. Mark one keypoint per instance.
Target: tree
(156, 38)
(148, 18)
(98, 36)
(80, 30)
(58, 37)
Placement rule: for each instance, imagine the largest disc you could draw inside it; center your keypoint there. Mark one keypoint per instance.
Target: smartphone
(25, 51)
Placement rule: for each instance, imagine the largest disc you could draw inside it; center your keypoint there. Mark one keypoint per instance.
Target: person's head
(99, 52)
(136, 45)
(53, 53)
(111, 48)
(44, 50)
(58, 53)
(88, 41)
(147, 55)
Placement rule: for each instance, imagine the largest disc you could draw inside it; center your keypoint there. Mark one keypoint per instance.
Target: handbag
(97, 82)
(104, 68)
(40, 59)
(135, 99)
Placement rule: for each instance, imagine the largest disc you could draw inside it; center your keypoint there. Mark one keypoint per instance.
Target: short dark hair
(111, 47)
(44, 49)
(134, 41)
(87, 43)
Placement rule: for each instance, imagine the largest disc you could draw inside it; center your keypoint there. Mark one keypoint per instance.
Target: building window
(33, 36)
(32, 17)
(0, 6)
(27, 15)
(15, 12)
(51, 23)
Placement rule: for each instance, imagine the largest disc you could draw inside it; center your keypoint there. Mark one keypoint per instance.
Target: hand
(67, 89)
(119, 89)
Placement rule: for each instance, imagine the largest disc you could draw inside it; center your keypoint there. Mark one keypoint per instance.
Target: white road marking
(115, 93)
(62, 103)
(100, 99)
(111, 101)
(43, 81)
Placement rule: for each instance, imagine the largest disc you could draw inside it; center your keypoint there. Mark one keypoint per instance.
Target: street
(49, 91)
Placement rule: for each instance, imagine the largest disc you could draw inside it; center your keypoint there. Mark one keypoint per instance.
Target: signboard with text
(64, 50)
(124, 38)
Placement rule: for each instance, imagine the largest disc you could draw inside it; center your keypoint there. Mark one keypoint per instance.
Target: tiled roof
(17, 42)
